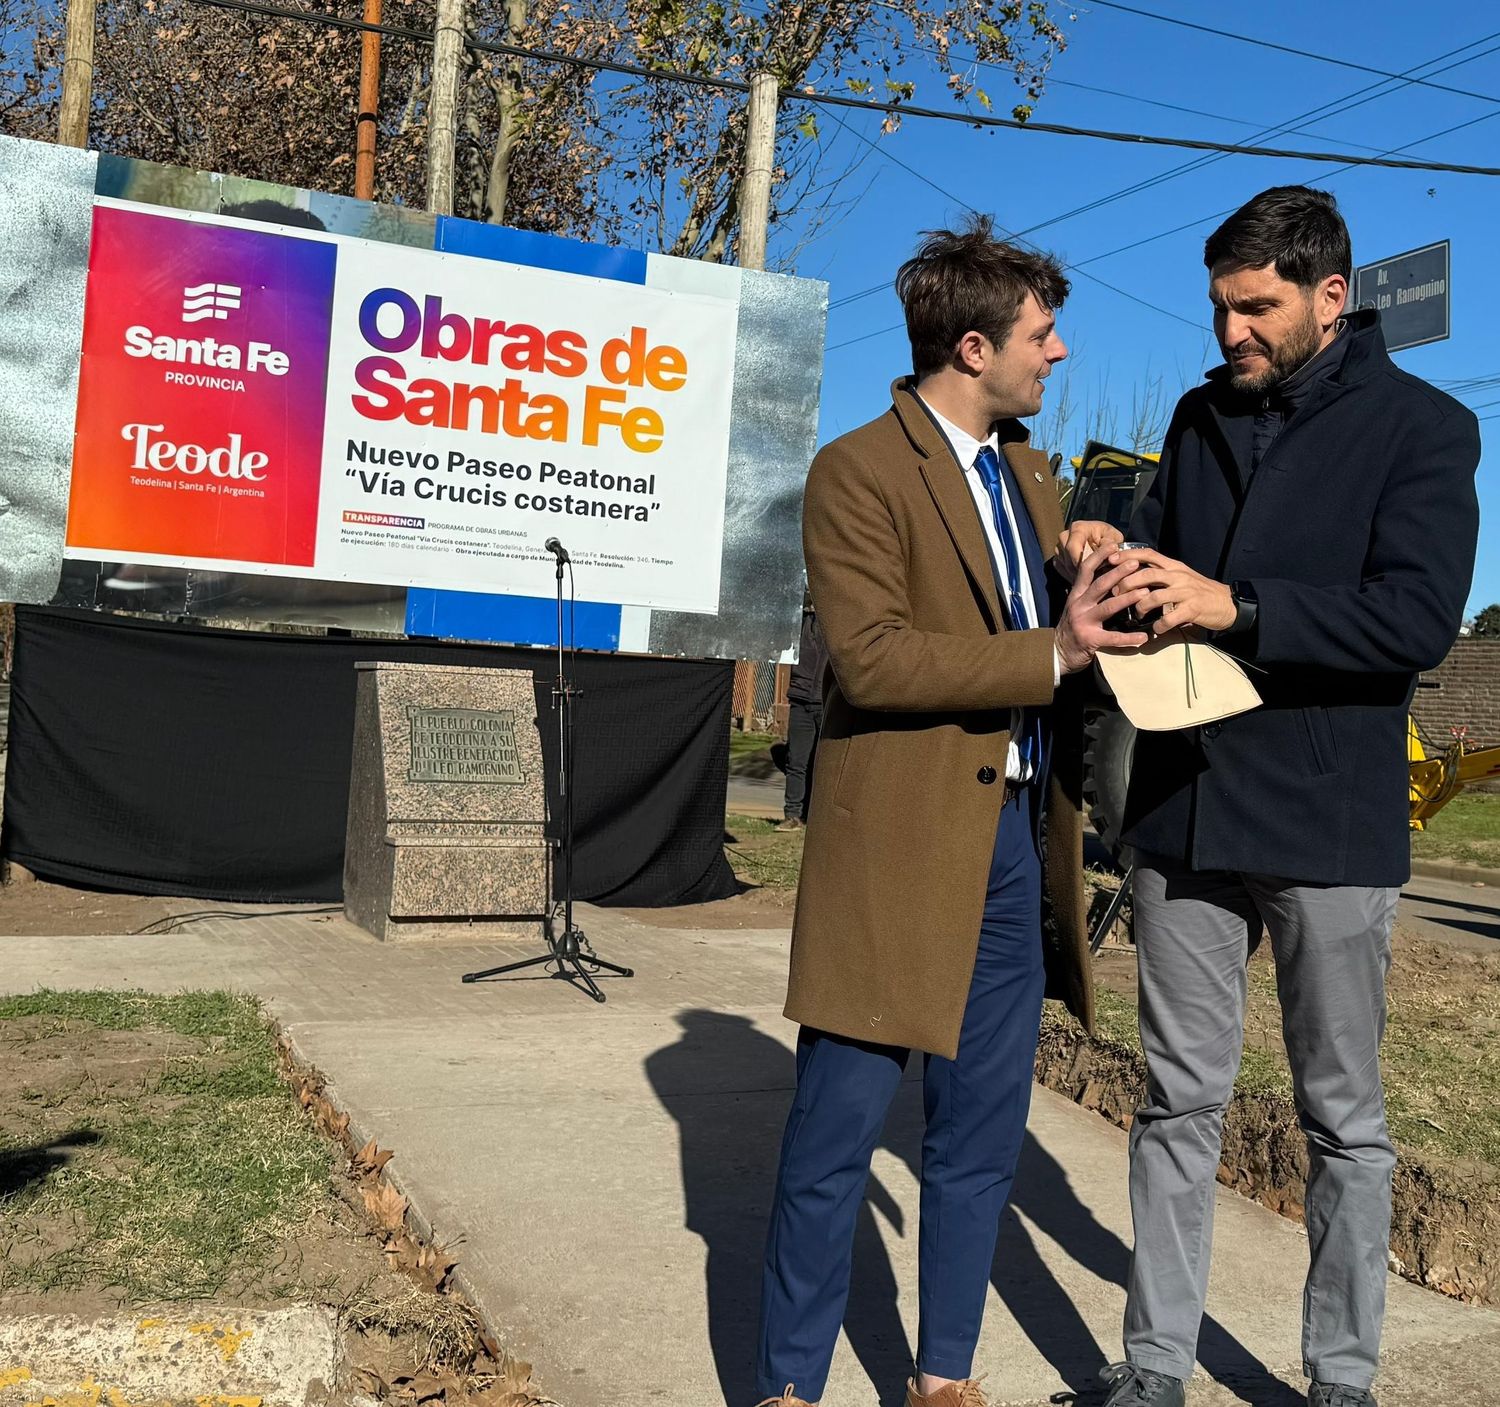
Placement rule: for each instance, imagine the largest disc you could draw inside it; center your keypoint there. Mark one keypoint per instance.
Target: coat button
(1211, 730)
(987, 775)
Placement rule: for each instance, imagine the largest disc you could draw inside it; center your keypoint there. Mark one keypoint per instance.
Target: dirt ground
(756, 906)
(46, 910)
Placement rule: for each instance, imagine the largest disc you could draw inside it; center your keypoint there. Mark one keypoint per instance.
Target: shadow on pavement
(714, 1081)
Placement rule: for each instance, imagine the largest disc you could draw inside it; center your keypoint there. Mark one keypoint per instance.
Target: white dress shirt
(966, 450)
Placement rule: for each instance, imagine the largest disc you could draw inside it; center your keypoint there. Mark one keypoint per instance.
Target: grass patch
(744, 744)
(167, 1167)
(1440, 1059)
(762, 855)
(1466, 830)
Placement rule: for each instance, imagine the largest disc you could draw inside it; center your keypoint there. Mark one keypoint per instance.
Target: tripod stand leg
(1107, 919)
(611, 967)
(589, 985)
(509, 967)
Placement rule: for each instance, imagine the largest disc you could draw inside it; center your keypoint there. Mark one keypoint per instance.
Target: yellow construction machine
(1436, 780)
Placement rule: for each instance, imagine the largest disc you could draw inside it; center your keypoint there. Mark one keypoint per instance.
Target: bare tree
(29, 89)
(542, 145)
(683, 148)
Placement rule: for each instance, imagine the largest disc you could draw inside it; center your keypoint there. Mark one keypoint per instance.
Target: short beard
(1300, 344)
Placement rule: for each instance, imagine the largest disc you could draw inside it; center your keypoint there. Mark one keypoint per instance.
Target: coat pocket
(859, 748)
(1318, 741)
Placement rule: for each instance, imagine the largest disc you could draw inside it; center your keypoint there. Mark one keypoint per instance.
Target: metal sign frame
(1446, 247)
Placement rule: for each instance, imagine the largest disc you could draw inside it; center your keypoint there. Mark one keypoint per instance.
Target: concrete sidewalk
(603, 1172)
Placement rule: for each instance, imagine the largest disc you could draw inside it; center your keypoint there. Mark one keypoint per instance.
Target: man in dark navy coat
(1315, 515)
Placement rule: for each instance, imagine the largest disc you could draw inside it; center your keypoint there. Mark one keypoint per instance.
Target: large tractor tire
(1109, 746)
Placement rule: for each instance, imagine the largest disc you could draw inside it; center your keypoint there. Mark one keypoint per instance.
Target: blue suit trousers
(976, 1107)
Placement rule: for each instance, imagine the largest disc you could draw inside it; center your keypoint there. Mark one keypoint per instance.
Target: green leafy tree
(1487, 622)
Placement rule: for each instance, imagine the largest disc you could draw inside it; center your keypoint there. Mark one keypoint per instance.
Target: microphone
(556, 548)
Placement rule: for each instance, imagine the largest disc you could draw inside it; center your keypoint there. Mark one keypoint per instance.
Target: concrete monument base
(446, 805)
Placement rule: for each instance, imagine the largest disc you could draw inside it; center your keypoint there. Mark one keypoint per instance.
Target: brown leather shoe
(964, 1394)
(785, 1400)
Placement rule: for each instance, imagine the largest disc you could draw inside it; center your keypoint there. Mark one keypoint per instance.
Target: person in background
(804, 719)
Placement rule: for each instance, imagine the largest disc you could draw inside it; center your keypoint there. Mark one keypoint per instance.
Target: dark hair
(1295, 228)
(969, 281)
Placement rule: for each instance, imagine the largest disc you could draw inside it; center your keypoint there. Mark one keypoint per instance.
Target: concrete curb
(459, 1283)
(1451, 869)
(275, 1358)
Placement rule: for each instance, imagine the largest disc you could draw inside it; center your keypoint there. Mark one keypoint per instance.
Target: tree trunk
(442, 111)
(508, 92)
(77, 75)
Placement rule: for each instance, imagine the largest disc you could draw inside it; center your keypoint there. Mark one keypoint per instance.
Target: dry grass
(1440, 1060)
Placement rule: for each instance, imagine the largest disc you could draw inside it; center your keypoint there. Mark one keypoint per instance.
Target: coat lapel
(945, 482)
(1039, 489)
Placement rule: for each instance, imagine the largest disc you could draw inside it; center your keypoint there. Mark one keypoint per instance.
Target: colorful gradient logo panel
(201, 394)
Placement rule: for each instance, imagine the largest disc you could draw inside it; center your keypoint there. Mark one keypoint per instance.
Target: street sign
(1410, 292)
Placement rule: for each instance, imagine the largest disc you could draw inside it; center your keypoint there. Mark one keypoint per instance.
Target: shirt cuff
(1056, 667)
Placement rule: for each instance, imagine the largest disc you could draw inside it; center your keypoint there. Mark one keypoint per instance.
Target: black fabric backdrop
(171, 759)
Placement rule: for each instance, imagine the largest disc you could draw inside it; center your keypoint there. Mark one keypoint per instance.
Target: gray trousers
(1332, 945)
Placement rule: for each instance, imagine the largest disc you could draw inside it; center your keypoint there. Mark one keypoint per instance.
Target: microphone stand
(566, 946)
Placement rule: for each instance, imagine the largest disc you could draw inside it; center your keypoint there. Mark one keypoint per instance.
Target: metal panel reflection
(778, 369)
(347, 605)
(46, 214)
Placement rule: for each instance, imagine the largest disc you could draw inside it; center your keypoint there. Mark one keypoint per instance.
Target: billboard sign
(287, 401)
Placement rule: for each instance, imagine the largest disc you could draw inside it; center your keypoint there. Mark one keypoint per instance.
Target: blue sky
(1025, 180)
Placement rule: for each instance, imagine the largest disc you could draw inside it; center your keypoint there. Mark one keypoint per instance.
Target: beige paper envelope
(1174, 682)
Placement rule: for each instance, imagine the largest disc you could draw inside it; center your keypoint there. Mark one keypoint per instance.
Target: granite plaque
(447, 804)
(473, 745)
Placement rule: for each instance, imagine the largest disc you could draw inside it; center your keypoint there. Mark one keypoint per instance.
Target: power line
(1155, 102)
(1284, 48)
(855, 104)
(1322, 176)
(1332, 108)
(922, 176)
(1335, 107)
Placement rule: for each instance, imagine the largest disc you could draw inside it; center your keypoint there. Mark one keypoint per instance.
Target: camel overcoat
(909, 775)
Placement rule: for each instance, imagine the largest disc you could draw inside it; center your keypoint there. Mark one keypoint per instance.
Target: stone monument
(447, 804)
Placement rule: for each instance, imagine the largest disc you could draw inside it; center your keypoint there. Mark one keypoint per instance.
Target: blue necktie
(987, 462)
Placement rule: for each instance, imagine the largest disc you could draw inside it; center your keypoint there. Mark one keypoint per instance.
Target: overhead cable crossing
(801, 95)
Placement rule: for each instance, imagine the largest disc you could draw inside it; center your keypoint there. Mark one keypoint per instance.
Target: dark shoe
(792, 823)
(1337, 1395)
(1132, 1386)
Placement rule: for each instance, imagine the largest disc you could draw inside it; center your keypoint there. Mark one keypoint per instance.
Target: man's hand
(1082, 633)
(1182, 595)
(1077, 540)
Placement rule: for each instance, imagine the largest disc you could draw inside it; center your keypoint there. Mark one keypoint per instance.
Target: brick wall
(1468, 693)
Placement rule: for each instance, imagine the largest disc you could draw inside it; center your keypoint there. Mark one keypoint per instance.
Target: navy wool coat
(1357, 534)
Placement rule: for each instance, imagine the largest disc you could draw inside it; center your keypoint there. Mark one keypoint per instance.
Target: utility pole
(442, 110)
(77, 75)
(760, 158)
(369, 106)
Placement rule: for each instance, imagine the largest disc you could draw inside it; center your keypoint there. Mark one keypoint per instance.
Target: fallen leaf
(386, 1205)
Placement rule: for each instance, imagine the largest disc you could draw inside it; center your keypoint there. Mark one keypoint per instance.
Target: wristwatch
(1246, 606)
